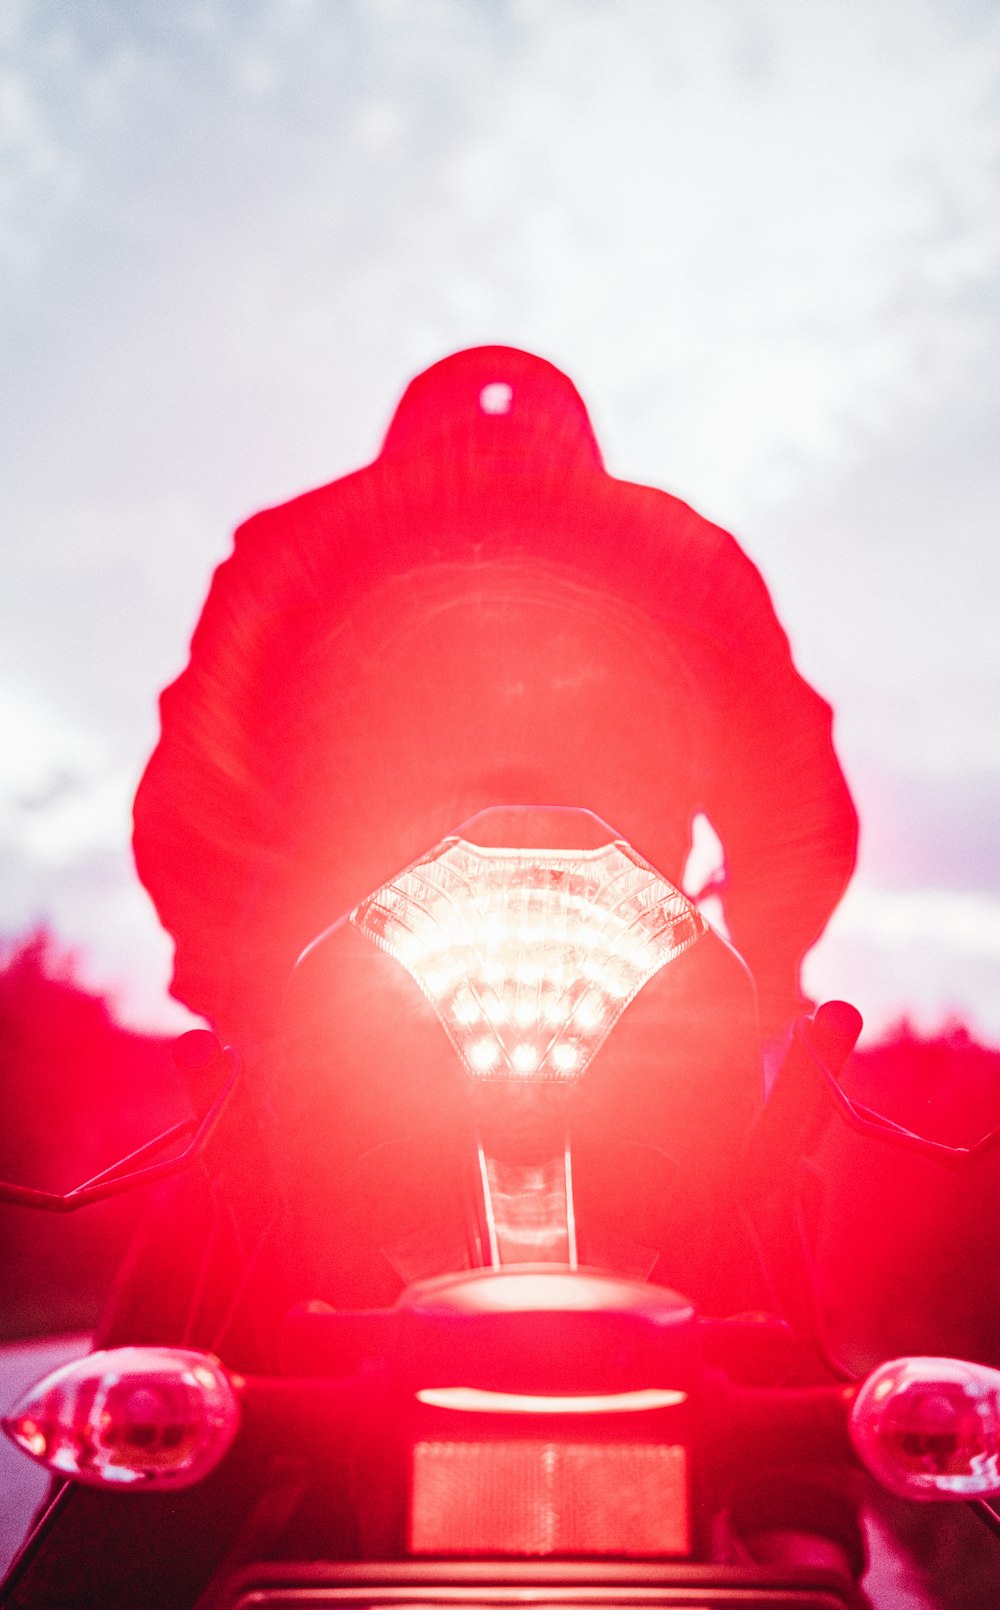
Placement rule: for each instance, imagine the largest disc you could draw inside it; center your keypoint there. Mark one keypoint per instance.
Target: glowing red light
(474, 1400)
(529, 956)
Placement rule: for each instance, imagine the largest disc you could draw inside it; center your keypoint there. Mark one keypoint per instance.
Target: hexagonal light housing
(530, 956)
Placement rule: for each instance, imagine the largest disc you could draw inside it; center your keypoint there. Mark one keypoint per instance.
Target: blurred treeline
(78, 1091)
(945, 1086)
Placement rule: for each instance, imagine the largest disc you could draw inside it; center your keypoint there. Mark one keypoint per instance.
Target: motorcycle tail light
(150, 1417)
(529, 956)
(930, 1428)
(540, 1497)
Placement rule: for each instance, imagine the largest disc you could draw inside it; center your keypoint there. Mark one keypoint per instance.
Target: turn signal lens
(930, 1428)
(530, 956)
(129, 1417)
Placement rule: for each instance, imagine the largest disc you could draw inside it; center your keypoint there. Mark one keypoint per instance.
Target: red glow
(549, 1291)
(484, 618)
(79, 1093)
(473, 1400)
(903, 1248)
(530, 956)
(481, 617)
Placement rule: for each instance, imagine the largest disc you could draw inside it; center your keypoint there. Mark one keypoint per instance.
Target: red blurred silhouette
(944, 1085)
(481, 617)
(905, 1248)
(880, 1212)
(79, 1092)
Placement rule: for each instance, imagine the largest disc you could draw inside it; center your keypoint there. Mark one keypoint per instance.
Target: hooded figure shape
(483, 616)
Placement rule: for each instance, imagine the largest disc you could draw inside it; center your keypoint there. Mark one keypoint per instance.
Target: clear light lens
(930, 1428)
(130, 1416)
(529, 956)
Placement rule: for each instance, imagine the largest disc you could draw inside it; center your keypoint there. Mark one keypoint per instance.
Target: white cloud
(38, 746)
(123, 953)
(964, 922)
(749, 227)
(757, 220)
(61, 795)
(927, 954)
(87, 814)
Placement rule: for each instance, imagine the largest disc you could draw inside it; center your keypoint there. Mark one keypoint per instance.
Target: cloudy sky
(764, 239)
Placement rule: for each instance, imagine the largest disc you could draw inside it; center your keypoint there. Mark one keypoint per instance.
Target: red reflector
(524, 1497)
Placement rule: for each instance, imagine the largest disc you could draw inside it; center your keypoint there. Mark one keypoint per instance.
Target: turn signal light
(150, 1417)
(930, 1428)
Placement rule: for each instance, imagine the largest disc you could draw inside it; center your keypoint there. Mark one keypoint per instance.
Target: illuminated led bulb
(590, 1011)
(465, 1010)
(484, 1055)
(505, 940)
